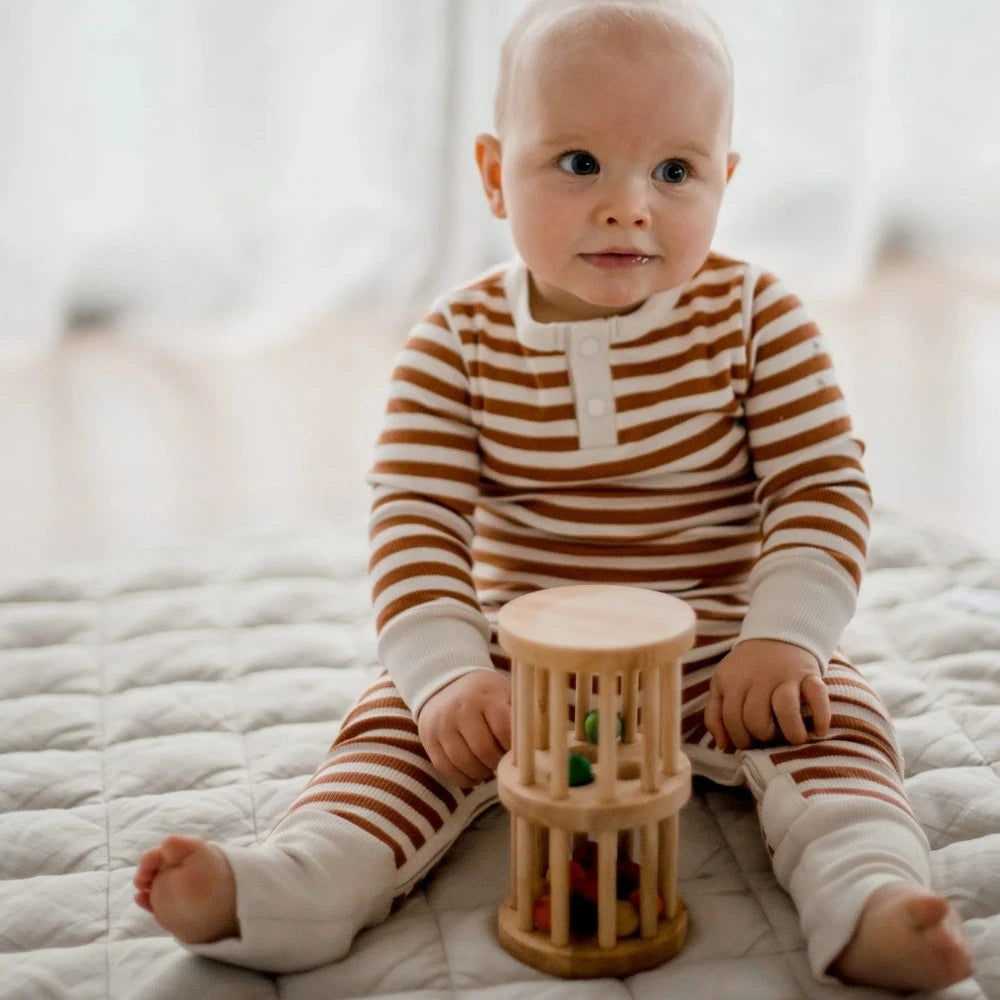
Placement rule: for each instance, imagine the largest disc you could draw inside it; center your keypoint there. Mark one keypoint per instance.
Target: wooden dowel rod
(607, 873)
(541, 708)
(668, 864)
(559, 778)
(514, 864)
(665, 736)
(607, 751)
(648, 883)
(581, 705)
(525, 874)
(515, 708)
(559, 874)
(651, 725)
(630, 706)
(672, 718)
(526, 726)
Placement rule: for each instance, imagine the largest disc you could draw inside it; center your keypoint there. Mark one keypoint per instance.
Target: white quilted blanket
(194, 689)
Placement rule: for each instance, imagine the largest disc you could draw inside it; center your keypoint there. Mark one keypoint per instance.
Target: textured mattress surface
(193, 690)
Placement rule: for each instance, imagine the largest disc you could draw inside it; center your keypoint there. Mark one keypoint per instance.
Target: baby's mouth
(617, 259)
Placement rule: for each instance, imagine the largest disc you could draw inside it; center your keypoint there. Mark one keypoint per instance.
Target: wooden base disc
(583, 958)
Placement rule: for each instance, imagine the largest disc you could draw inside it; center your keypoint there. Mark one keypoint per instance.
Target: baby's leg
(372, 821)
(848, 849)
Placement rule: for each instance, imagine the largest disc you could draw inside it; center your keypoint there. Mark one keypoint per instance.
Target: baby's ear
(488, 161)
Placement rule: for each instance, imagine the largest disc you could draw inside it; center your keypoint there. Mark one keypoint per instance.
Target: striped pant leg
(378, 778)
(835, 815)
(369, 825)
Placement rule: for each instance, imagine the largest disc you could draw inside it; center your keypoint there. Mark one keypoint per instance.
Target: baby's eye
(579, 163)
(672, 172)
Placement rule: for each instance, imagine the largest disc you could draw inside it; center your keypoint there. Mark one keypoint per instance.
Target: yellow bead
(626, 919)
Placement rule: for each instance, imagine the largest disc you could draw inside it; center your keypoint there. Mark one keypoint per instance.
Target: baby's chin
(601, 297)
(616, 299)
(579, 310)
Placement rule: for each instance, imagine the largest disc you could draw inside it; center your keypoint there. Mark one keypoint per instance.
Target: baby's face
(613, 161)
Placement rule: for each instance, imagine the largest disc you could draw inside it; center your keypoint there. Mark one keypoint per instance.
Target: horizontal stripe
(898, 801)
(398, 851)
(416, 774)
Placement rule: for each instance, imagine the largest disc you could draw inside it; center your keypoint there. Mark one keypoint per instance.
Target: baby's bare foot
(189, 888)
(906, 939)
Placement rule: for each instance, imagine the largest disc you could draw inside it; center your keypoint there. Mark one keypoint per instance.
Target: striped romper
(698, 446)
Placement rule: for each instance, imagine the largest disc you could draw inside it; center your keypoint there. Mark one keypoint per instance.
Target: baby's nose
(627, 207)
(638, 220)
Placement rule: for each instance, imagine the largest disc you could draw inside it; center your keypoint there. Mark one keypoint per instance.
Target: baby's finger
(498, 719)
(817, 697)
(713, 720)
(483, 745)
(444, 766)
(757, 715)
(786, 702)
(732, 717)
(464, 762)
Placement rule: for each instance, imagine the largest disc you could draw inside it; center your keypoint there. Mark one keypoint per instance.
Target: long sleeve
(426, 482)
(812, 488)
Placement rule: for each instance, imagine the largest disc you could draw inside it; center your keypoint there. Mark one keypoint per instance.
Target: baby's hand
(465, 727)
(759, 688)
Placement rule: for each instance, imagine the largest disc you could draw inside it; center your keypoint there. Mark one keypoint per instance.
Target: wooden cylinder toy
(595, 779)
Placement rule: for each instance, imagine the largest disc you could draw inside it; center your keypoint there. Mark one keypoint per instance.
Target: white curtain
(217, 174)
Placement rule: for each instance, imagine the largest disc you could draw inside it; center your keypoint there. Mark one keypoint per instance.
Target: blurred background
(218, 217)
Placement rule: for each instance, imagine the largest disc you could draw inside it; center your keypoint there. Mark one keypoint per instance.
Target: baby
(620, 404)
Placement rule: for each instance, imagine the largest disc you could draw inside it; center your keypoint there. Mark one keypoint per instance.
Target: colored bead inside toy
(580, 771)
(591, 726)
(583, 885)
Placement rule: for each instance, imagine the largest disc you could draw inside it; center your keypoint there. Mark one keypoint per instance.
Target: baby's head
(612, 149)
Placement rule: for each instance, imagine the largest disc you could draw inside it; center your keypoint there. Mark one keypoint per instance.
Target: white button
(596, 407)
(589, 347)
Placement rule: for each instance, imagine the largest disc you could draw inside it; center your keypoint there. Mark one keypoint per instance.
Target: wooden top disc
(596, 627)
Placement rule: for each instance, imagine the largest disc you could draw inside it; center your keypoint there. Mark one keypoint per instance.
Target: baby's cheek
(688, 240)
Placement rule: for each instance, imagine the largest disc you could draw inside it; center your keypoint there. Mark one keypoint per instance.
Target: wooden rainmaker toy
(595, 779)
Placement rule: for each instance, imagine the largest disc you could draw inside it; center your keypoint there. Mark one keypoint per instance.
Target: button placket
(590, 372)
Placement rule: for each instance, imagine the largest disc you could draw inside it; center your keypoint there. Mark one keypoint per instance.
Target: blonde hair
(673, 19)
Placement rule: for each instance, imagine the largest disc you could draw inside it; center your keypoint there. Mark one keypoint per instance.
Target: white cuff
(431, 645)
(806, 600)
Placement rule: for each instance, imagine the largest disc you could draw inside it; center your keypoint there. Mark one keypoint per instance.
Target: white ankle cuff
(830, 855)
(302, 896)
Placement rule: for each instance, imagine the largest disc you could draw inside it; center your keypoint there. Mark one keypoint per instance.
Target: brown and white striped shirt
(699, 445)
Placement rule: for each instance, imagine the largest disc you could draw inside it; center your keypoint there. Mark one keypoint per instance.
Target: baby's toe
(149, 865)
(176, 848)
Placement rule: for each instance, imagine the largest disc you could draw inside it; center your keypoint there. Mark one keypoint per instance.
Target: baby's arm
(425, 478)
(432, 634)
(815, 502)
(465, 727)
(759, 688)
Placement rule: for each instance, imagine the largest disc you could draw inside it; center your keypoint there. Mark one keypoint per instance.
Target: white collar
(555, 336)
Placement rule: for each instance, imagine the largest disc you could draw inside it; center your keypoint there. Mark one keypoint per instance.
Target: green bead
(590, 727)
(580, 771)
